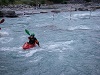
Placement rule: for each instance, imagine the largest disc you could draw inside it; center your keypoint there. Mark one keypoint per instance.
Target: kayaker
(1, 21)
(33, 40)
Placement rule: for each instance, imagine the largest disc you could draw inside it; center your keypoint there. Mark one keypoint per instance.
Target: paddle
(27, 31)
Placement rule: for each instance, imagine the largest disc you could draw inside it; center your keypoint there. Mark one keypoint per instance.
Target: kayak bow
(28, 46)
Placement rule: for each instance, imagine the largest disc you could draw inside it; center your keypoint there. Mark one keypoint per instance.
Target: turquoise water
(70, 45)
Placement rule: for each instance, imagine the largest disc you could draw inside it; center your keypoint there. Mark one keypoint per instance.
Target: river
(69, 44)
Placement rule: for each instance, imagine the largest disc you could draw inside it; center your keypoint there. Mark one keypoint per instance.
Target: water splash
(79, 28)
(6, 40)
(3, 33)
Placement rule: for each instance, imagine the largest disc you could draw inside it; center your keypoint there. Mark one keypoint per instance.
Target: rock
(83, 9)
(56, 11)
(43, 12)
(1, 14)
(8, 13)
(11, 14)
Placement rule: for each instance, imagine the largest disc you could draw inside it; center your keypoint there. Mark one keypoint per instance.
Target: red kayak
(28, 46)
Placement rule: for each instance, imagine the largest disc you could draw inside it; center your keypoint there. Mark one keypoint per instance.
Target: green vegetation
(3, 2)
(29, 2)
(58, 1)
(33, 2)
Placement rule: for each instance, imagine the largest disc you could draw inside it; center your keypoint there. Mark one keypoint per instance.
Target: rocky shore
(16, 10)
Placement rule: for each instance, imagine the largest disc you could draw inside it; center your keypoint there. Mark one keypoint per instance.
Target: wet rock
(82, 9)
(8, 13)
(56, 11)
(1, 14)
(11, 14)
(43, 12)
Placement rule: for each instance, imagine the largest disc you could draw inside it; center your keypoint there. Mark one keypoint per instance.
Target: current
(69, 44)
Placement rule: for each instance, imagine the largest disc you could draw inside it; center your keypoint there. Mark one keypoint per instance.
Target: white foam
(58, 46)
(81, 15)
(5, 39)
(10, 48)
(36, 59)
(78, 27)
(2, 33)
(76, 16)
(30, 53)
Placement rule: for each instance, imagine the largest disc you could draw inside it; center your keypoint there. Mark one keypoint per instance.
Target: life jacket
(32, 40)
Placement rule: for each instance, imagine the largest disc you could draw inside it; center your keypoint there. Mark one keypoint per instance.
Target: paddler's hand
(39, 45)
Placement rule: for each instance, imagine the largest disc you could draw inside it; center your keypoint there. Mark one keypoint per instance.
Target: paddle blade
(27, 31)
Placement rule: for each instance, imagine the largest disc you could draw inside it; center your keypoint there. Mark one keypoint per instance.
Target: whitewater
(69, 44)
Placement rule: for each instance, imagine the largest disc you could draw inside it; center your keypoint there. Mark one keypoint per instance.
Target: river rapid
(69, 44)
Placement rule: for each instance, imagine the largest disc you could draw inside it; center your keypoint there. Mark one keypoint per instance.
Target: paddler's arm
(37, 42)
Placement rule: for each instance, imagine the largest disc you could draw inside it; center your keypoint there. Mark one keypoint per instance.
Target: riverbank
(56, 8)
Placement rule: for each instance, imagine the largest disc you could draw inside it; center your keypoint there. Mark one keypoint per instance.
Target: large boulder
(83, 9)
(1, 14)
(8, 13)
(11, 14)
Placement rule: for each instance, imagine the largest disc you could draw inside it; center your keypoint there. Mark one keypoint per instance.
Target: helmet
(32, 34)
